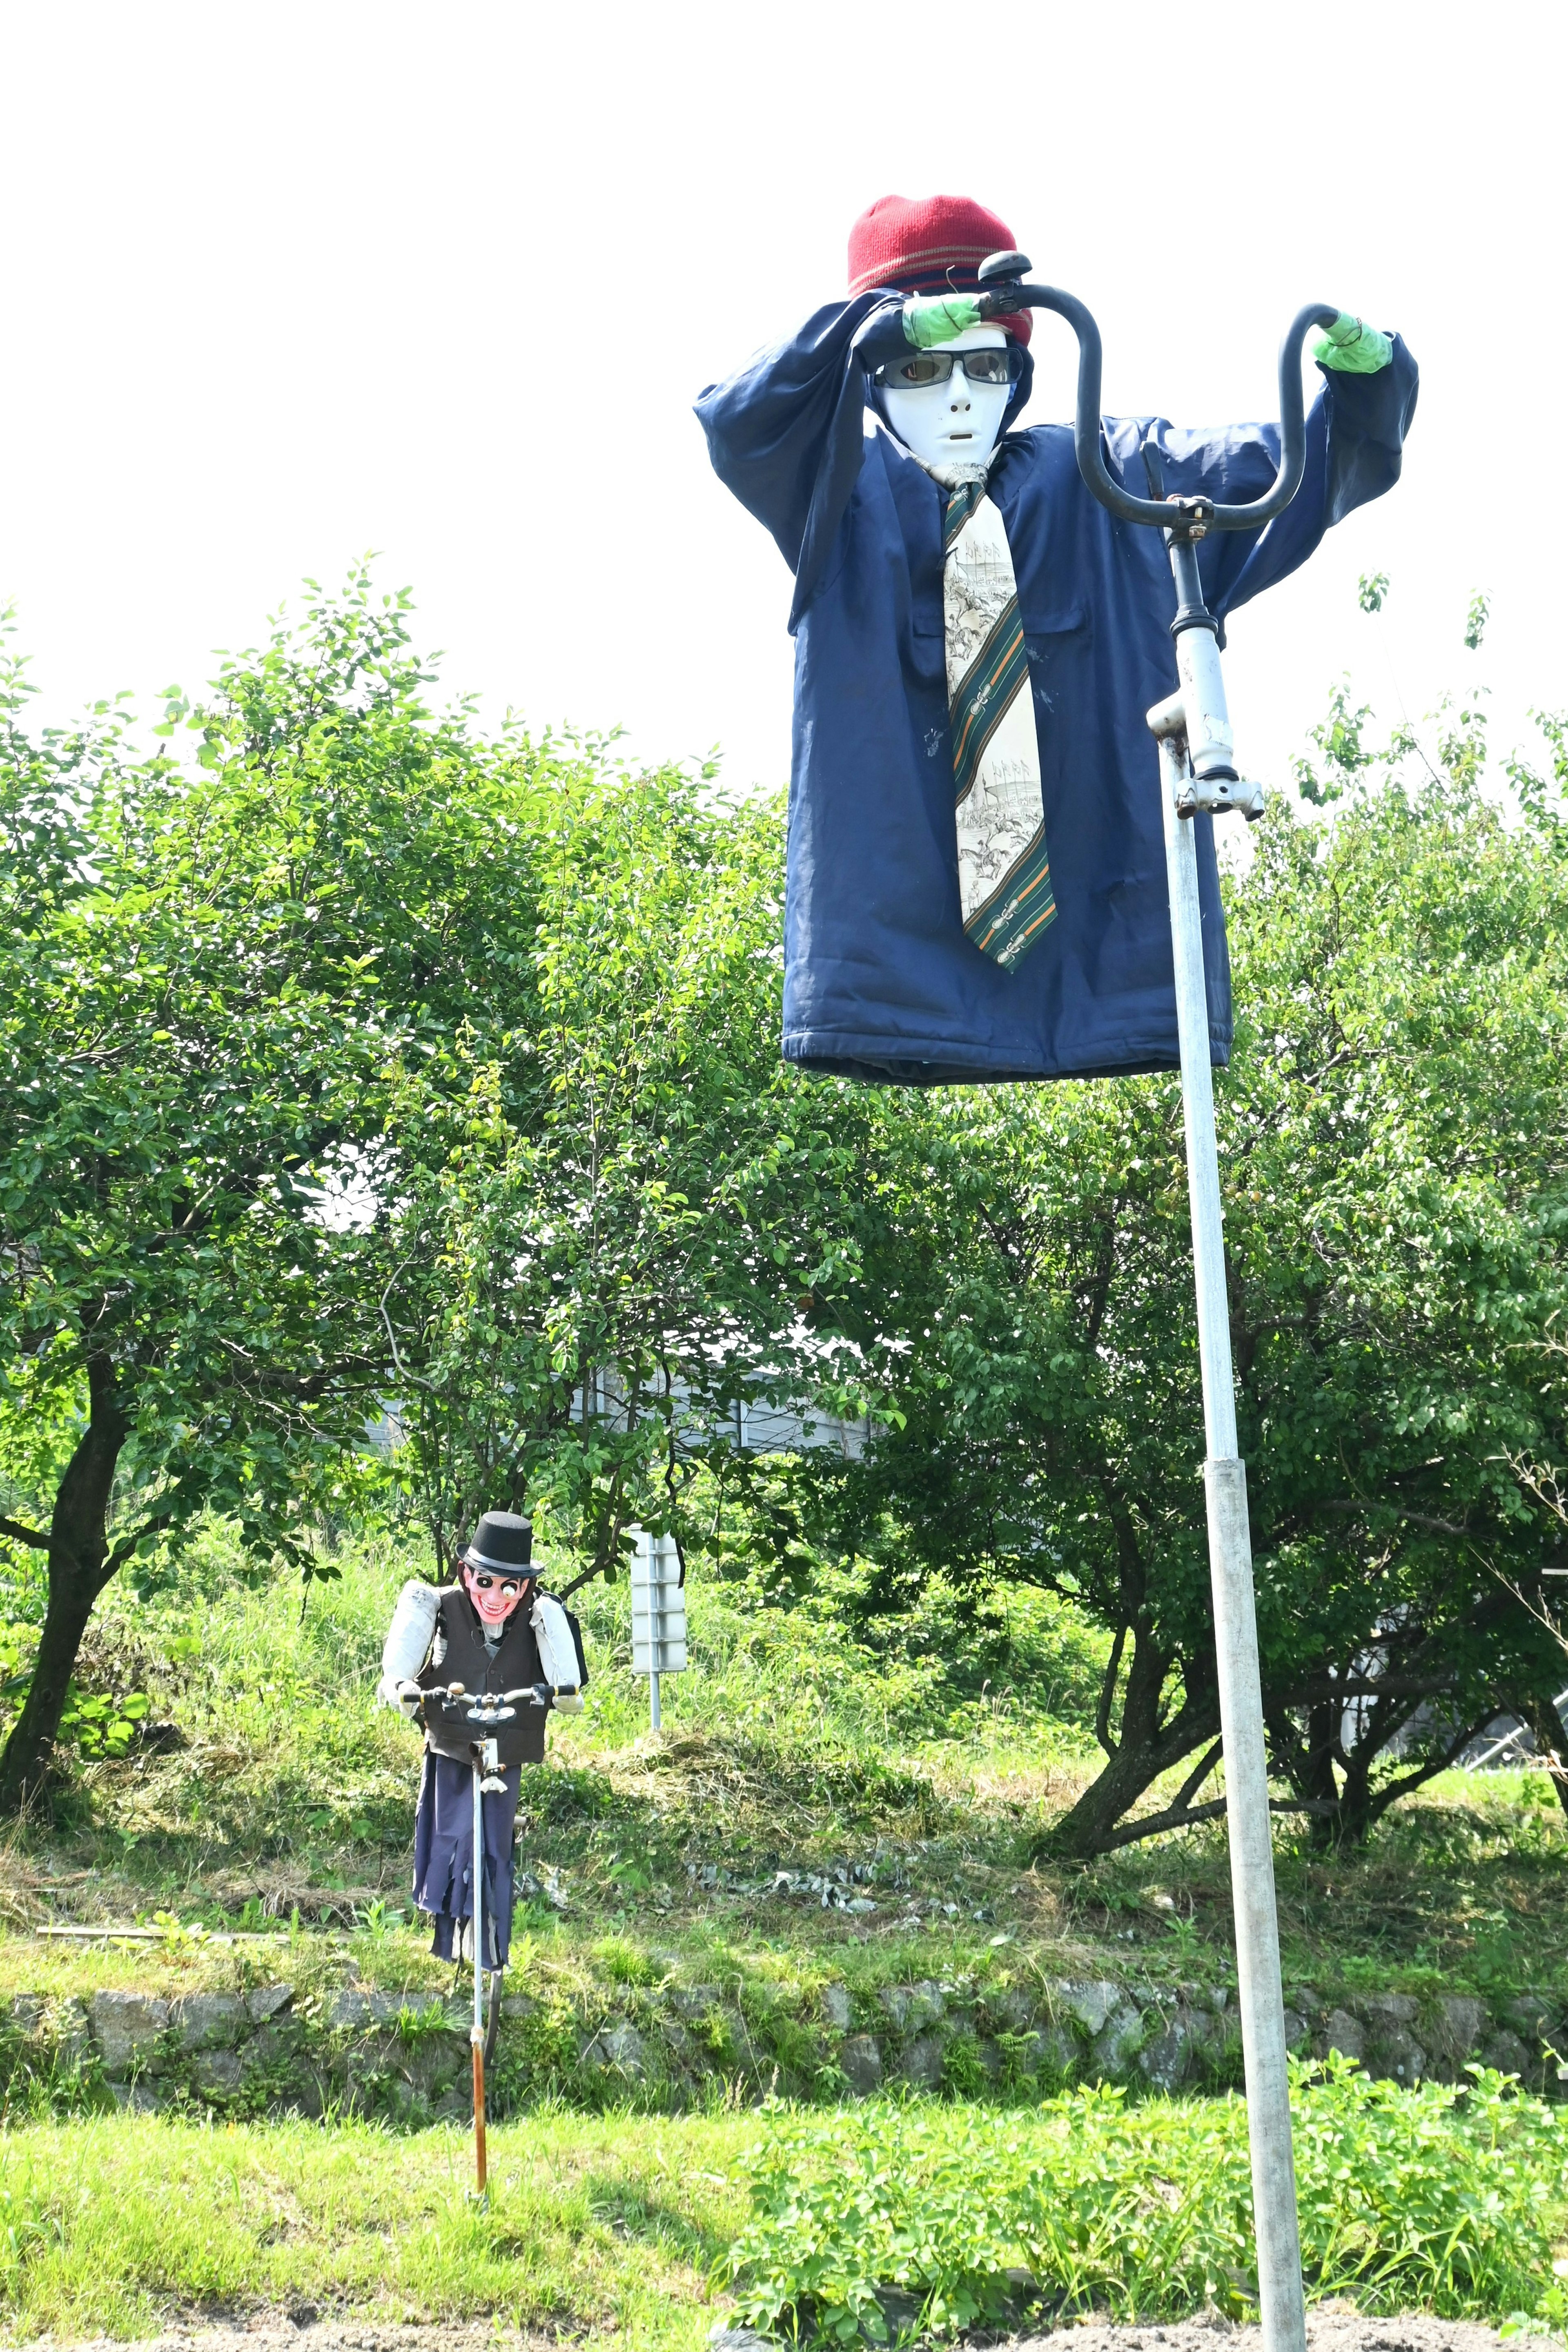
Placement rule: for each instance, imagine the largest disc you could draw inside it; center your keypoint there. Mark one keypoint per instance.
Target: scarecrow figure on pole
(1011, 737)
(976, 878)
(479, 1663)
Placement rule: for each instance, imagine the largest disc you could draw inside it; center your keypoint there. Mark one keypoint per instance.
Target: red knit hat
(929, 245)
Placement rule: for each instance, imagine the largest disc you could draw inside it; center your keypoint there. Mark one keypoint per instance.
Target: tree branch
(1108, 1690)
(1195, 1781)
(1176, 1817)
(51, 1544)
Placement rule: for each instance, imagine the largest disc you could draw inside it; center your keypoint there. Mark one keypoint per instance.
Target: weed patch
(1451, 2199)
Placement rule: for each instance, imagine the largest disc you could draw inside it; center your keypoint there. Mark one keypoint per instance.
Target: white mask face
(955, 423)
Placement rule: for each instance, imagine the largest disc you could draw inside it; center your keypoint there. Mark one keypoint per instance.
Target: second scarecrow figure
(492, 1632)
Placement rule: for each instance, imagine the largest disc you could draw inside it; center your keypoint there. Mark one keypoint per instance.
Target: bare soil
(1331, 2330)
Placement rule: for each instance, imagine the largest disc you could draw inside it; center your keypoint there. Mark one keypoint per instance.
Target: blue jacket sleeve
(787, 434)
(1355, 436)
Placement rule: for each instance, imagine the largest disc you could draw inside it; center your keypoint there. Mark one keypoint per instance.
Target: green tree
(1391, 1133)
(585, 1295)
(219, 968)
(351, 1060)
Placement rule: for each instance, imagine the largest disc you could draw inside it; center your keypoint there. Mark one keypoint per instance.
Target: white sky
(289, 283)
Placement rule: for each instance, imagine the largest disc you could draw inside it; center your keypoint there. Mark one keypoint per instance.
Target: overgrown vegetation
(1450, 2201)
(271, 1784)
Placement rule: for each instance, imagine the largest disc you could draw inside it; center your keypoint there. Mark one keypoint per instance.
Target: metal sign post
(1198, 773)
(658, 1613)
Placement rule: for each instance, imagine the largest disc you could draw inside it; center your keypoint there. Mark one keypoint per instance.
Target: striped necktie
(1004, 873)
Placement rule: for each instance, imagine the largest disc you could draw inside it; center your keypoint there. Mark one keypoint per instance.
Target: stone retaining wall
(405, 2055)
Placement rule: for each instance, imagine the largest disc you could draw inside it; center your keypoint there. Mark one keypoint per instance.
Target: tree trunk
(79, 1547)
(1145, 1749)
(1550, 1741)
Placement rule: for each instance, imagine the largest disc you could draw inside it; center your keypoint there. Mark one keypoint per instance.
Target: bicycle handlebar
(454, 1693)
(1002, 292)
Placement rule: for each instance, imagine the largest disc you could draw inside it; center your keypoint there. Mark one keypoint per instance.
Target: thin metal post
(1282, 2307)
(477, 2031)
(654, 1715)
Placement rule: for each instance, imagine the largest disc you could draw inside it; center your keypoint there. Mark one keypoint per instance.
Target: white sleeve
(557, 1649)
(408, 1637)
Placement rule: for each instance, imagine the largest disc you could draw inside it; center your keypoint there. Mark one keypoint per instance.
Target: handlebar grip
(997, 302)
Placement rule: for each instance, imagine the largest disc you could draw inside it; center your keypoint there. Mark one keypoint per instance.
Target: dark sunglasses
(991, 366)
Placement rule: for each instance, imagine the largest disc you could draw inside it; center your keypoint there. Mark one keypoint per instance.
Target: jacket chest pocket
(928, 653)
(1056, 642)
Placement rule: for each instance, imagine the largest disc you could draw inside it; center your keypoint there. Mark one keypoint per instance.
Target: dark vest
(515, 1662)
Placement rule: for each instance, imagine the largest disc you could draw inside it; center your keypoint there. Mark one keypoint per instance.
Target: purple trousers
(444, 1856)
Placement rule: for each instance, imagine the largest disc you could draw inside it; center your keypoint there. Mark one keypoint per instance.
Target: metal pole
(477, 2031)
(654, 1717)
(1281, 2304)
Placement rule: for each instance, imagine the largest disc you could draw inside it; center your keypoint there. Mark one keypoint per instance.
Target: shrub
(1449, 2199)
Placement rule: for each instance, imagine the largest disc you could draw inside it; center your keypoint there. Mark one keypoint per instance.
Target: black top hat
(502, 1540)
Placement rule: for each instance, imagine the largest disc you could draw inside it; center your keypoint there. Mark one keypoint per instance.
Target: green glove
(1352, 348)
(932, 318)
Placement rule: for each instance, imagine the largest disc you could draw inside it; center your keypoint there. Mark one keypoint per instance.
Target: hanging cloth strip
(1004, 873)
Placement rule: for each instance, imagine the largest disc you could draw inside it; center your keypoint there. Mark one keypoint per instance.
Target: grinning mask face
(495, 1595)
(951, 419)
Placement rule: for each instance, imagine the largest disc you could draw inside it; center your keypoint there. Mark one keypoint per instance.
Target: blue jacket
(881, 981)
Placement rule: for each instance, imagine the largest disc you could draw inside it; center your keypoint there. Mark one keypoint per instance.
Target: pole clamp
(1194, 518)
(1213, 795)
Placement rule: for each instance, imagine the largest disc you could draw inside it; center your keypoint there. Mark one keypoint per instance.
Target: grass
(107, 2225)
(654, 2228)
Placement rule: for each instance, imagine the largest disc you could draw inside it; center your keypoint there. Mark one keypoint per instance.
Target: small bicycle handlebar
(1002, 291)
(454, 1693)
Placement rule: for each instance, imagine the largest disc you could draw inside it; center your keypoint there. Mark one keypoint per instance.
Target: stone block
(138, 2098)
(127, 2026)
(1454, 2030)
(27, 2013)
(352, 2012)
(861, 2059)
(433, 2061)
(216, 2072)
(1118, 2043)
(1386, 2011)
(1295, 2029)
(518, 2004)
(1508, 2054)
(1053, 2053)
(268, 2001)
(1397, 2057)
(210, 2021)
(618, 2046)
(928, 2005)
(838, 2008)
(912, 2007)
(1345, 2033)
(921, 2063)
(272, 2044)
(1013, 2011)
(693, 2002)
(1532, 2017)
(1090, 2004)
(1172, 2055)
(304, 2097)
(69, 2028)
